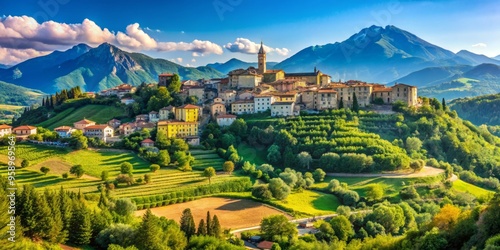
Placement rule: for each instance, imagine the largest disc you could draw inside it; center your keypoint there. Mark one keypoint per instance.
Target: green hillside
(98, 113)
(17, 95)
(479, 110)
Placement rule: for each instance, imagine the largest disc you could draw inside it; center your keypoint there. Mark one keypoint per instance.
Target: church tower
(262, 59)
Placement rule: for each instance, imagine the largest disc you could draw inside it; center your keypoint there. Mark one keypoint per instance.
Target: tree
(147, 178)
(342, 227)
(209, 173)
(344, 210)
(274, 154)
(154, 167)
(44, 170)
(413, 144)
(329, 161)
(202, 228)
(216, 228)
(262, 192)
(187, 223)
(163, 158)
(239, 127)
(305, 159)
(417, 165)
(78, 141)
(279, 188)
(443, 104)
(375, 192)
(209, 224)
(447, 217)
(174, 86)
(116, 234)
(275, 246)
(124, 207)
(390, 217)
(162, 141)
(65, 175)
(77, 170)
(355, 104)
(150, 234)
(25, 163)
(80, 226)
(126, 168)
(319, 174)
(104, 175)
(277, 225)
(228, 167)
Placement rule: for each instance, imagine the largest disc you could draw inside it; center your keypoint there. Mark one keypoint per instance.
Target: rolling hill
(475, 59)
(95, 69)
(234, 63)
(479, 80)
(16, 95)
(3, 66)
(479, 110)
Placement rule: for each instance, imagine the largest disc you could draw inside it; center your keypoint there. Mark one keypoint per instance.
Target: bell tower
(262, 59)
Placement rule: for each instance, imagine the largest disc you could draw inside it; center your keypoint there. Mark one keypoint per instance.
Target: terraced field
(206, 158)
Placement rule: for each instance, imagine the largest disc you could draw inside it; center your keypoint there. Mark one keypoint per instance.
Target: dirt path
(425, 172)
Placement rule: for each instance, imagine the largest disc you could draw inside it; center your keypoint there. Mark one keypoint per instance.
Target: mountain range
(237, 64)
(3, 66)
(375, 54)
(95, 69)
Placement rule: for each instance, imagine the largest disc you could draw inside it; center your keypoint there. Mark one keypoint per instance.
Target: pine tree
(216, 228)
(55, 232)
(355, 104)
(103, 200)
(52, 101)
(149, 235)
(26, 210)
(100, 221)
(202, 228)
(66, 212)
(187, 223)
(443, 103)
(80, 227)
(209, 224)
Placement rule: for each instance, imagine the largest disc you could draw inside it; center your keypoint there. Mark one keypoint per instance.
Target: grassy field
(462, 186)
(10, 107)
(392, 186)
(98, 113)
(311, 202)
(232, 213)
(206, 158)
(252, 154)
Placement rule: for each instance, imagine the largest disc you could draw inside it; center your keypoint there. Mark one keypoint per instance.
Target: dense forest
(479, 110)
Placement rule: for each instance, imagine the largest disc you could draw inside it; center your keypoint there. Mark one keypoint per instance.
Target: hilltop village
(244, 91)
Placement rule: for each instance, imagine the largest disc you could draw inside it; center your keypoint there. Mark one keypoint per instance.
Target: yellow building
(273, 75)
(176, 128)
(187, 113)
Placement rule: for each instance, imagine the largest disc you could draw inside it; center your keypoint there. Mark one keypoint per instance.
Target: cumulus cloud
(24, 32)
(479, 45)
(193, 60)
(244, 45)
(195, 54)
(178, 59)
(13, 56)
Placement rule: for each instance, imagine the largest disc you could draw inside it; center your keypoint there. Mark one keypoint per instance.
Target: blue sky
(199, 32)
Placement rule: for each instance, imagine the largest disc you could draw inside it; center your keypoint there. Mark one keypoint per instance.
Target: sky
(198, 32)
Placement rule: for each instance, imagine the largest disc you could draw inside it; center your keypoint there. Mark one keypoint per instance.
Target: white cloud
(244, 45)
(479, 45)
(193, 60)
(13, 56)
(155, 30)
(24, 32)
(195, 54)
(178, 59)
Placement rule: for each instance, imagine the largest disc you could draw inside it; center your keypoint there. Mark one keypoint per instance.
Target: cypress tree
(187, 223)
(355, 104)
(149, 235)
(209, 224)
(443, 103)
(202, 228)
(43, 102)
(52, 101)
(216, 228)
(80, 226)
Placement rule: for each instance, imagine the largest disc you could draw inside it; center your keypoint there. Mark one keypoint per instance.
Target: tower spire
(261, 50)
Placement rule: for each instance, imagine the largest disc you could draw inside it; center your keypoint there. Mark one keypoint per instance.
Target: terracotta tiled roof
(147, 140)
(84, 121)
(169, 107)
(25, 127)
(265, 245)
(63, 128)
(4, 126)
(100, 126)
(189, 106)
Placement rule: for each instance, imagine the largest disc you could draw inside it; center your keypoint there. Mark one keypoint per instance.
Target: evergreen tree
(187, 223)
(52, 101)
(43, 102)
(150, 234)
(100, 221)
(209, 224)
(216, 228)
(443, 103)
(26, 210)
(103, 201)
(80, 226)
(202, 228)
(355, 104)
(66, 212)
(54, 226)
